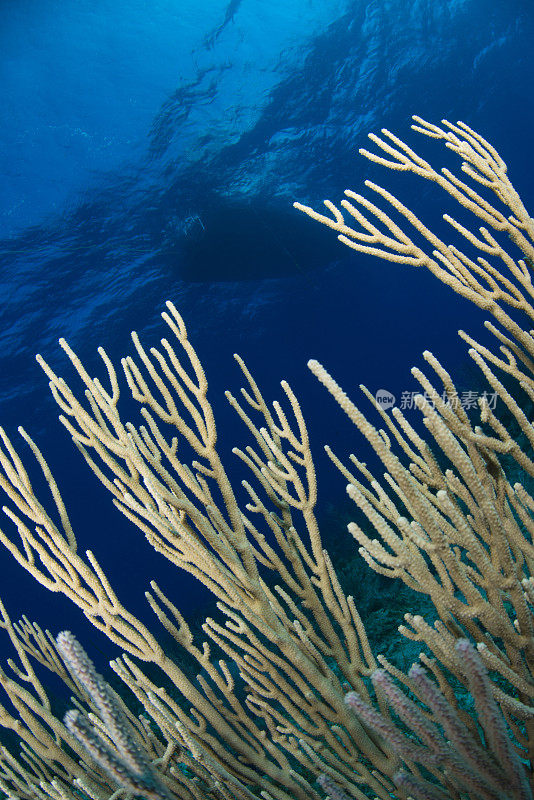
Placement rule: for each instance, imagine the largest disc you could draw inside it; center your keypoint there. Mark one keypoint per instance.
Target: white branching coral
(269, 718)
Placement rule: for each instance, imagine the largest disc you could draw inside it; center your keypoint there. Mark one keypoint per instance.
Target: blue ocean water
(152, 151)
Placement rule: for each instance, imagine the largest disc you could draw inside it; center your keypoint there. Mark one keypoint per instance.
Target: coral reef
(300, 705)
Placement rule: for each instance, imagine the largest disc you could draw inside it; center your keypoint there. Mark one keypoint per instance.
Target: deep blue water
(152, 151)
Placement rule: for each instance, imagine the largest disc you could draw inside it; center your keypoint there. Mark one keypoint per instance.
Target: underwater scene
(278, 542)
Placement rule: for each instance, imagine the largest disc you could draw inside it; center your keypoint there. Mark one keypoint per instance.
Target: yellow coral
(270, 717)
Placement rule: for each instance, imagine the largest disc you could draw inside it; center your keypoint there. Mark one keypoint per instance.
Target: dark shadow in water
(246, 240)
